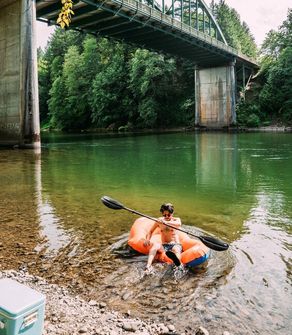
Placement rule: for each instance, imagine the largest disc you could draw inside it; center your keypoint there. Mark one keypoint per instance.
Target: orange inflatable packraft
(194, 251)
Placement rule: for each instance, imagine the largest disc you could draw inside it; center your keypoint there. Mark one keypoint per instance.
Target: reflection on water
(234, 186)
(54, 236)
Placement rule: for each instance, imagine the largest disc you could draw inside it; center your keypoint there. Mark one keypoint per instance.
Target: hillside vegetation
(90, 83)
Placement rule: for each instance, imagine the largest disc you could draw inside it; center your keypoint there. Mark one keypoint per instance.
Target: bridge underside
(137, 23)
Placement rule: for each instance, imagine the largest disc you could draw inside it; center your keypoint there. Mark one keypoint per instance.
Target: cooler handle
(29, 319)
(2, 325)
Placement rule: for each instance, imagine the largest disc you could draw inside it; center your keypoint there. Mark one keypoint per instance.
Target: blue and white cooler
(22, 309)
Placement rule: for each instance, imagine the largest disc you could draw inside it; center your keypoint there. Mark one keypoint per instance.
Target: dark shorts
(169, 246)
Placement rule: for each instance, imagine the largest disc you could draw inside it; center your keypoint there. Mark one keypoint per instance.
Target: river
(237, 187)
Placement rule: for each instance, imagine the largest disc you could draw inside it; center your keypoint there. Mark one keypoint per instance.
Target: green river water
(237, 187)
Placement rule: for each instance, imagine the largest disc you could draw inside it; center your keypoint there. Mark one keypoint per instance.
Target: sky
(260, 15)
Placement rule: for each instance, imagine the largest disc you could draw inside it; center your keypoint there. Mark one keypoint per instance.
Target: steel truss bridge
(183, 28)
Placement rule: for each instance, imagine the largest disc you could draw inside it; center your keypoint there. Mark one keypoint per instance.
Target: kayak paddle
(210, 242)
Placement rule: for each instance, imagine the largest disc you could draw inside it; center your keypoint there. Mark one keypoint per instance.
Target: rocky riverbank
(67, 314)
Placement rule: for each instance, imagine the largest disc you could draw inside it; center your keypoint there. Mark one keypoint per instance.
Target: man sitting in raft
(169, 237)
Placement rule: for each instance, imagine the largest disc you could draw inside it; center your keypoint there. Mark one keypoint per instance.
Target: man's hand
(146, 243)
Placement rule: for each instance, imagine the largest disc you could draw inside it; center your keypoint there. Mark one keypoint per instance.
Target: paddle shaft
(209, 241)
(163, 222)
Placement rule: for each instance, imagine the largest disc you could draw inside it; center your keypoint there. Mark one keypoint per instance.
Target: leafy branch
(64, 18)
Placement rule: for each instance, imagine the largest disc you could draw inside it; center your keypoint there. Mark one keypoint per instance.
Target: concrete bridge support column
(215, 96)
(197, 95)
(19, 105)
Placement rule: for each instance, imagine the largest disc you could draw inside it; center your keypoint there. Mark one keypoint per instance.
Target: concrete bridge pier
(19, 105)
(215, 96)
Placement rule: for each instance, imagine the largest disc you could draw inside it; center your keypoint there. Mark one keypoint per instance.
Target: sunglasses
(167, 215)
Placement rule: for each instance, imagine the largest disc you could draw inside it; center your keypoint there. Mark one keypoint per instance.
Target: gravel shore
(66, 314)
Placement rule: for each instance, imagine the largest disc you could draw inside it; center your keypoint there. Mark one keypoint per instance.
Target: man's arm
(148, 236)
(175, 222)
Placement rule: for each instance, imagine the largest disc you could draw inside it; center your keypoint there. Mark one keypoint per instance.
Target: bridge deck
(142, 25)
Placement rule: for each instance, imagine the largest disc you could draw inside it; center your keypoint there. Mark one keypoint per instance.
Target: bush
(248, 114)
(253, 120)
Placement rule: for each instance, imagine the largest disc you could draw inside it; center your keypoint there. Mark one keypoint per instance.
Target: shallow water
(237, 187)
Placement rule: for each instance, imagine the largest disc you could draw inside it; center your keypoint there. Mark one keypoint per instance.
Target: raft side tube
(194, 251)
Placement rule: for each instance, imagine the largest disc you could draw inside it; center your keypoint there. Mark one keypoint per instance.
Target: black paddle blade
(214, 243)
(111, 203)
(170, 254)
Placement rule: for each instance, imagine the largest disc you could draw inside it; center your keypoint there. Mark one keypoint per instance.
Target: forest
(92, 83)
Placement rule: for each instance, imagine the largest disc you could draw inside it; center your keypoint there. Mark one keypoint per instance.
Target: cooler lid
(16, 298)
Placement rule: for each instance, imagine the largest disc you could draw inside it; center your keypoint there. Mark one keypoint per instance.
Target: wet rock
(170, 306)
(163, 329)
(130, 326)
(92, 303)
(102, 305)
(171, 328)
(202, 331)
(82, 330)
(126, 296)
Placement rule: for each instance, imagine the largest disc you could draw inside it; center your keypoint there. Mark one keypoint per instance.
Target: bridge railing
(141, 9)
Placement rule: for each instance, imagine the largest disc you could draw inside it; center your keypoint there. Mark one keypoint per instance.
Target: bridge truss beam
(186, 25)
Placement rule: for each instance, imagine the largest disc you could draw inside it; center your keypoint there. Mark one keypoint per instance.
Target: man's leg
(174, 254)
(152, 253)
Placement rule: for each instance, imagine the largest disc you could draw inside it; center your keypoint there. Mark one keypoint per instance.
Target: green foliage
(60, 42)
(276, 96)
(91, 83)
(253, 120)
(276, 72)
(87, 82)
(109, 87)
(50, 64)
(272, 104)
(43, 78)
(187, 108)
(237, 34)
(68, 111)
(57, 104)
(151, 80)
(248, 114)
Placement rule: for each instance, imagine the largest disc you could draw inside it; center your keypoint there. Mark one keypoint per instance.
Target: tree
(276, 41)
(51, 67)
(276, 72)
(276, 96)
(56, 103)
(237, 34)
(109, 90)
(43, 78)
(151, 83)
(67, 109)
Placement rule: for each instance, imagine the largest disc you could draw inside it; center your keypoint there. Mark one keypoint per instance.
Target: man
(169, 237)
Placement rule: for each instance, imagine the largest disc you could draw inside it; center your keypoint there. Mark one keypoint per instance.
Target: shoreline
(137, 132)
(67, 313)
(272, 129)
(71, 314)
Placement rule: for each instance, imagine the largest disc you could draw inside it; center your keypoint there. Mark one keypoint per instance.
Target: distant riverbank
(137, 132)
